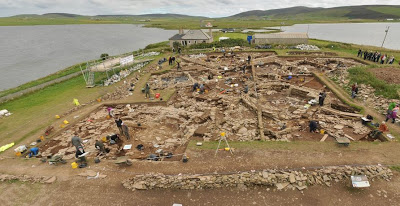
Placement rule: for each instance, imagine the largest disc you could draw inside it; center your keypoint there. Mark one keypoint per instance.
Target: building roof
(281, 36)
(191, 35)
(176, 37)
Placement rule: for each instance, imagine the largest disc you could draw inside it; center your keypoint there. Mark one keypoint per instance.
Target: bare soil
(389, 75)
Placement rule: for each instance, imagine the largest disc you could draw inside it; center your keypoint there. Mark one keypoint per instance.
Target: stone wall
(27, 178)
(281, 179)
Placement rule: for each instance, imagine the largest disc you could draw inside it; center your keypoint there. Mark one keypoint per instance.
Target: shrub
(104, 56)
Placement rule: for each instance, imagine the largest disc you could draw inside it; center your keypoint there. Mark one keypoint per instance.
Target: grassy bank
(346, 49)
(64, 72)
(362, 75)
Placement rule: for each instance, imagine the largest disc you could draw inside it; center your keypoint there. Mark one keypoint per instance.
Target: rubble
(307, 47)
(123, 74)
(281, 179)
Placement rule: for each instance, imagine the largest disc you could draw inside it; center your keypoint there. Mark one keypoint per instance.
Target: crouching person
(82, 158)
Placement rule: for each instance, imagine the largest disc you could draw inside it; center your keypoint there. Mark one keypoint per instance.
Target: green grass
(235, 35)
(395, 168)
(362, 75)
(160, 45)
(386, 10)
(64, 72)
(38, 108)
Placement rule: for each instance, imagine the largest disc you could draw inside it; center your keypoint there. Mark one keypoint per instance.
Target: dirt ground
(72, 189)
(389, 75)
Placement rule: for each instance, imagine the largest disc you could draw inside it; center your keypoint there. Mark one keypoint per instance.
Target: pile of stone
(281, 179)
(149, 54)
(307, 47)
(4, 113)
(196, 56)
(27, 178)
(123, 74)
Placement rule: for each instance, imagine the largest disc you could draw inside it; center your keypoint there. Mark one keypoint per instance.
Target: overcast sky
(209, 8)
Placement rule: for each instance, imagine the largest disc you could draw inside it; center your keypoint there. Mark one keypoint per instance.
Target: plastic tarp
(6, 147)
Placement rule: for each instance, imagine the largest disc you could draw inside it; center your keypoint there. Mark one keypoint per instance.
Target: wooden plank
(324, 138)
(349, 137)
(340, 113)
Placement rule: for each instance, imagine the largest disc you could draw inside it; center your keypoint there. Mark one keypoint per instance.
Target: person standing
(322, 96)
(178, 62)
(147, 90)
(383, 59)
(354, 90)
(359, 53)
(248, 59)
(125, 131)
(119, 123)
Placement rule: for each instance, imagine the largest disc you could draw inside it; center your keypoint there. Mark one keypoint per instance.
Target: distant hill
(60, 15)
(66, 15)
(347, 12)
(154, 16)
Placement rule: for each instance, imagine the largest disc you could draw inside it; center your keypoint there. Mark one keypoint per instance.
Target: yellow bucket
(108, 116)
(18, 154)
(322, 131)
(65, 122)
(74, 165)
(57, 116)
(227, 149)
(104, 139)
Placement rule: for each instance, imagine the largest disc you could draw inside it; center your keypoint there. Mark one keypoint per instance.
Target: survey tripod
(223, 138)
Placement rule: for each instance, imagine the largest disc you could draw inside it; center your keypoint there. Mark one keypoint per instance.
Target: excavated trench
(274, 107)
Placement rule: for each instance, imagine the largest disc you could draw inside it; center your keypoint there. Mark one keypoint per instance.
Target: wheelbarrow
(343, 141)
(123, 160)
(57, 159)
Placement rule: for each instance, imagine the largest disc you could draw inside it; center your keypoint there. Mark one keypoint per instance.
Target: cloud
(210, 8)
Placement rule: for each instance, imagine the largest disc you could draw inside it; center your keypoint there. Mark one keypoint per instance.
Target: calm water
(357, 33)
(31, 52)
